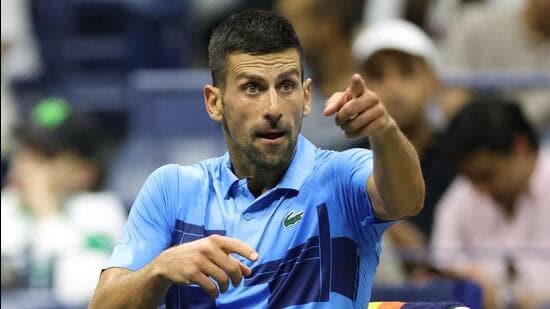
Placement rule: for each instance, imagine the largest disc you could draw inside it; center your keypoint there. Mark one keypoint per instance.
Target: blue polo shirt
(315, 232)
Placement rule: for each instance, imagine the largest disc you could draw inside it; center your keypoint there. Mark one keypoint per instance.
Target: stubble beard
(258, 159)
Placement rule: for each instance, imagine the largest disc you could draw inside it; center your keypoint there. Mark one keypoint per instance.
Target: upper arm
(380, 211)
(353, 172)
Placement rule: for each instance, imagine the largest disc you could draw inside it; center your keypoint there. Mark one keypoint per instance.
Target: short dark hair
(255, 32)
(488, 123)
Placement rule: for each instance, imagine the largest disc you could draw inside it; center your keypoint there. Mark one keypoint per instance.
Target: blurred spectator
(399, 62)
(326, 29)
(204, 15)
(414, 11)
(492, 223)
(20, 57)
(57, 227)
(443, 14)
(19, 60)
(8, 118)
(510, 38)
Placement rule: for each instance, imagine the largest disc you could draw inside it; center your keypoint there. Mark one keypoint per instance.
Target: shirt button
(247, 216)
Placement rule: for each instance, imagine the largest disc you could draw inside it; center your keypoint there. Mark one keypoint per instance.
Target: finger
(245, 270)
(217, 274)
(335, 102)
(207, 285)
(230, 265)
(352, 109)
(237, 275)
(233, 245)
(363, 119)
(357, 86)
(368, 129)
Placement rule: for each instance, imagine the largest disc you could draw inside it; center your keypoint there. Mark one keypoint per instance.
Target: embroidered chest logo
(292, 218)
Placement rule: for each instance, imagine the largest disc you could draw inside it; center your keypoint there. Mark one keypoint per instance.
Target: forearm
(141, 289)
(397, 173)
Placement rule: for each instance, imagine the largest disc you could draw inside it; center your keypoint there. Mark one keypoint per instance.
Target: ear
(522, 145)
(307, 97)
(213, 102)
(85, 174)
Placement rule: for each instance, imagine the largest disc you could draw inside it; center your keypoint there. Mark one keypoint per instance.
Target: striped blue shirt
(315, 232)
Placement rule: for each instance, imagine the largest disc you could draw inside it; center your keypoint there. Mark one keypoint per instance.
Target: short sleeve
(352, 168)
(148, 230)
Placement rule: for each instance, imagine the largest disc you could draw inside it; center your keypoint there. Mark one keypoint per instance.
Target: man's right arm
(197, 262)
(123, 288)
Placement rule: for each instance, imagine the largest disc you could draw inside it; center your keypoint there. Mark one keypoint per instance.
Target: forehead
(266, 64)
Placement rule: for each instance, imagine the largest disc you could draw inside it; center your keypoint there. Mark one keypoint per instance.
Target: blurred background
(96, 94)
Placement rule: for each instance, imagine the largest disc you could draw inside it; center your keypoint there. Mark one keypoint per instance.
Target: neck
(259, 179)
(335, 68)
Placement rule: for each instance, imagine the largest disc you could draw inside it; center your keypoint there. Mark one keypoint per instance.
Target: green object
(292, 218)
(99, 242)
(51, 112)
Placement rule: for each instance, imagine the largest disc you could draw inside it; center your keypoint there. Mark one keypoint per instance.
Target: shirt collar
(299, 169)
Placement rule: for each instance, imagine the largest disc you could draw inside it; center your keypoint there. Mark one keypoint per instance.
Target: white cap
(394, 34)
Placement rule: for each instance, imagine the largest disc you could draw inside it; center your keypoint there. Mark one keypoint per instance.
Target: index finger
(233, 245)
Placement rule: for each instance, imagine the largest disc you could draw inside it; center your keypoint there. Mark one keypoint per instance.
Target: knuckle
(192, 272)
(214, 237)
(206, 248)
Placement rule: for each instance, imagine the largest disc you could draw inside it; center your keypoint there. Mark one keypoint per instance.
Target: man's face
(263, 104)
(403, 82)
(495, 173)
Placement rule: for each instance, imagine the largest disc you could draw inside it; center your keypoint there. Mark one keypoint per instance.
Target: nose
(273, 113)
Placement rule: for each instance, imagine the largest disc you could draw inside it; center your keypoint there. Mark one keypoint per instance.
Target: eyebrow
(252, 76)
(288, 73)
(283, 75)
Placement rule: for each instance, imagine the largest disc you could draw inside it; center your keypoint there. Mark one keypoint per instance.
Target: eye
(287, 86)
(251, 88)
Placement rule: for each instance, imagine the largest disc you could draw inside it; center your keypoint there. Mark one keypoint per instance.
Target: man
(491, 225)
(300, 224)
(51, 238)
(476, 44)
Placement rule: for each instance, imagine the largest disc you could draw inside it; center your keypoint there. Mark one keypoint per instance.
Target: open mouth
(271, 135)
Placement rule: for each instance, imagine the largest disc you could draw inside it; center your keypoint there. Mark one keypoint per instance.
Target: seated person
(58, 228)
(492, 223)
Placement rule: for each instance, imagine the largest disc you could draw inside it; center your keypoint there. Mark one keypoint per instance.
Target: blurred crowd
(85, 83)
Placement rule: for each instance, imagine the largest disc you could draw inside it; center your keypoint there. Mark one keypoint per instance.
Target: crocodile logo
(292, 218)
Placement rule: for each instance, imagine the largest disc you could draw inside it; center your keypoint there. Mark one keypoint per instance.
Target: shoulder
(174, 174)
(341, 166)
(352, 158)
(344, 158)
